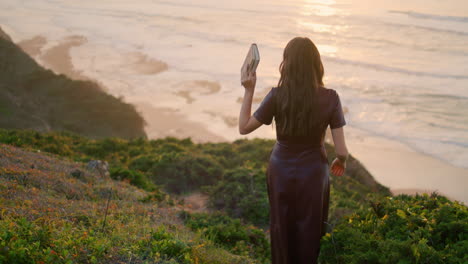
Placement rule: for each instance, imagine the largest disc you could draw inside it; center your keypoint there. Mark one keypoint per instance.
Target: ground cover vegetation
(50, 215)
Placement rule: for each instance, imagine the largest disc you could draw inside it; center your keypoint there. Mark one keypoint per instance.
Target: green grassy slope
(182, 166)
(50, 215)
(366, 224)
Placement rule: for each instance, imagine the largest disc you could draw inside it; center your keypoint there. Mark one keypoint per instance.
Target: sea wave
(380, 67)
(430, 29)
(419, 15)
(450, 150)
(229, 9)
(125, 14)
(444, 96)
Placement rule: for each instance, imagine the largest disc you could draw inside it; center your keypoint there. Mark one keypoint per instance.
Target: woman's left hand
(249, 83)
(338, 167)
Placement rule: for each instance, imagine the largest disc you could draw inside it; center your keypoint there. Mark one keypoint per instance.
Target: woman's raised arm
(247, 122)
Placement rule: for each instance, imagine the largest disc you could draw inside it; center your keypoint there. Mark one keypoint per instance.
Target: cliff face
(32, 97)
(4, 36)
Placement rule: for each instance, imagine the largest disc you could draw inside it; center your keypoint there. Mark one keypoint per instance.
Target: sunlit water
(401, 67)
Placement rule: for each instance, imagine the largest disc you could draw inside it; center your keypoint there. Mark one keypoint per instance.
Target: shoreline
(415, 191)
(58, 57)
(390, 162)
(166, 122)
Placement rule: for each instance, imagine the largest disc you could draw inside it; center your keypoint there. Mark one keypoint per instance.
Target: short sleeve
(265, 112)
(337, 119)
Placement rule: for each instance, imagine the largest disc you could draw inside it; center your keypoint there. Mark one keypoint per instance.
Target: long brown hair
(301, 76)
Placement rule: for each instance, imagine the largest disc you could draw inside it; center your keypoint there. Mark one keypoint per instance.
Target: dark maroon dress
(298, 183)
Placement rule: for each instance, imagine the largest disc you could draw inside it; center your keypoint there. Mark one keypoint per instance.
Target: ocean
(400, 67)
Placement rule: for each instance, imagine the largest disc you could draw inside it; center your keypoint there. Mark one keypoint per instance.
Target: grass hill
(32, 97)
(52, 214)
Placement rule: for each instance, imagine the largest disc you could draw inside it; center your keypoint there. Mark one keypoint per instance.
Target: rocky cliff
(32, 97)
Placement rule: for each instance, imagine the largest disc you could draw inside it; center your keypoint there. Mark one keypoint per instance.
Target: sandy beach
(164, 122)
(143, 64)
(203, 87)
(58, 58)
(391, 163)
(33, 46)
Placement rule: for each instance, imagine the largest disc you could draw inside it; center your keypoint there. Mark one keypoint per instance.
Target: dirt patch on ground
(196, 202)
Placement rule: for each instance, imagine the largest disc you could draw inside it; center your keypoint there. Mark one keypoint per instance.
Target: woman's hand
(338, 167)
(248, 123)
(249, 83)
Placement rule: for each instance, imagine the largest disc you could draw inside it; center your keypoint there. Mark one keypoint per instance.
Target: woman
(298, 173)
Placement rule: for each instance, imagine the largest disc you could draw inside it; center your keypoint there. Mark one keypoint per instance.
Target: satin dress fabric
(299, 183)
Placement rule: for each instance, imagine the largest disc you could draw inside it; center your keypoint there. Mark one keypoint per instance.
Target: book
(251, 62)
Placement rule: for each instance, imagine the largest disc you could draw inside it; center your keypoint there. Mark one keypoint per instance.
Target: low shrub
(164, 247)
(134, 177)
(232, 234)
(242, 194)
(185, 172)
(402, 229)
(24, 242)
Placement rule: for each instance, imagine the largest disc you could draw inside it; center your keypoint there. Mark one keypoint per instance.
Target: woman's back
(329, 114)
(298, 180)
